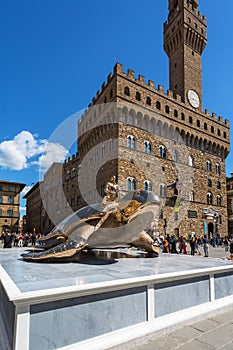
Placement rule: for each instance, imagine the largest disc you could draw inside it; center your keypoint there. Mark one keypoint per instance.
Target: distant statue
(112, 192)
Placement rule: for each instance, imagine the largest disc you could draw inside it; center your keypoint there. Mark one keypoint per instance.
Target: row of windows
(11, 188)
(10, 200)
(9, 212)
(131, 143)
(167, 110)
(132, 186)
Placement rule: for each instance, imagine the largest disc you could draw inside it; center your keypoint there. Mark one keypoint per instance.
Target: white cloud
(27, 149)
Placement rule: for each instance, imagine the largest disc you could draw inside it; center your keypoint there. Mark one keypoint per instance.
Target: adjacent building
(230, 205)
(10, 205)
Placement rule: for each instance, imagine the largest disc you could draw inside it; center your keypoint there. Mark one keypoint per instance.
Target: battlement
(150, 84)
(72, 158)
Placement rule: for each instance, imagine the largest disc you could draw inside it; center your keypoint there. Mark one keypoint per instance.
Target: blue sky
(55, 54)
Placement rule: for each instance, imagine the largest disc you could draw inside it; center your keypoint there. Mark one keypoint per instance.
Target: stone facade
(155, 139)
(10, 205)
(230, 205)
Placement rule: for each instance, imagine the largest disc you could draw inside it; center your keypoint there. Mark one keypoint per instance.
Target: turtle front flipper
(63, 250)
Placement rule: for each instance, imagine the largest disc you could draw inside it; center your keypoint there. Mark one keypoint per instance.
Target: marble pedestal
(96, 304)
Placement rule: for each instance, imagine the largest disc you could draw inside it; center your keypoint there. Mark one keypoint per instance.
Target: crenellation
(98, 93)
(109, 78)
(118, 68)
(161, 88)
(170, 93)
(214, 116)
(141, 78)
(131, 73)
(103, 86)
(151, 84)
(207, 112)
(220, 119)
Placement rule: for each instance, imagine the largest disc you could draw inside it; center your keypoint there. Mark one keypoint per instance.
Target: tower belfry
(185, 38)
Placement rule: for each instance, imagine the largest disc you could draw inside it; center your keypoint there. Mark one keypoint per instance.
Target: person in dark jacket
(7, 239)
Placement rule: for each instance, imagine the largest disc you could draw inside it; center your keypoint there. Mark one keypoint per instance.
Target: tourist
(199, 242)
(183, 245)
(7, 239)
(165, 245)
(193, 245)
(206, 246)
(173, 245)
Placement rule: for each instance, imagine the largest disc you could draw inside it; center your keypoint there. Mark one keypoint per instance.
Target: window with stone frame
(191, 161)
(138, 96)
(73, 172)
(131, 142)
(219, 200)
(209, 198)
(1, 201)
(131, 184)
(191, 196)
(163, 190)
(158, 105)
(148, 101)
(10, 212)
(147, 147)
(147, 185)
(127, 91)
(0, 212)
(67, 175)
(175, 156)
(10, 200)
(205, 126)
(218, 185)
(162, 152)
(218, 169)
(209, 183)
(167, 109)
(208, 166)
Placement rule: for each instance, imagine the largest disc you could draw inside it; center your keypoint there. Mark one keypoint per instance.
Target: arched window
(209, 198)
(212, 129)
(163, 190)
(191, 161)
(167, 109)
(175, 156)
(191, 196)
(219, 200)
(218, 185)
(147, 185)
(103, 150)
(162, 152)
(219, 132)
(198, 123)
(73, 172)
(218, 169)
(127, 91)
(158, 105)
(131, 184)
(182, 116)
(205, 126)
(208, 166)
(138, 96)
(209, 183)
(148, 101)
(147, 147)
(175, 113)
(190, 120)
(67, 175)
(131, 142)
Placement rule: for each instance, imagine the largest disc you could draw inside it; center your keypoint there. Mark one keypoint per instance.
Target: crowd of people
(170, 244)
(15, 239)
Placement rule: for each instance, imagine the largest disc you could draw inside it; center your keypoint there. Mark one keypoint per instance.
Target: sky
(55, 55)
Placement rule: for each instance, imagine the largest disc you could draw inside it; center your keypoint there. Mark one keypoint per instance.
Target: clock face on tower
(193, 98)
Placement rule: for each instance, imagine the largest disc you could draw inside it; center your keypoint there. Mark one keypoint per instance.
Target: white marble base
(98, 304)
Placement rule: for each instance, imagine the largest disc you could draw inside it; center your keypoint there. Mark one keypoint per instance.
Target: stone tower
(184, 41)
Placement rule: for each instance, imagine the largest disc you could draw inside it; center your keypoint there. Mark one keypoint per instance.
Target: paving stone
(223, 318)
(196, 345)
(219, 337)
(206, 325)
(228, 346)
(186, 334)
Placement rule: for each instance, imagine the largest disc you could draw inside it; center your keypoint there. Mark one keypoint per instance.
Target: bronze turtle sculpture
(121, 224)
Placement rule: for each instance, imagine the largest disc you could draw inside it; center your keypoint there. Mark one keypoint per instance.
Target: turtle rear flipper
(63, 250)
